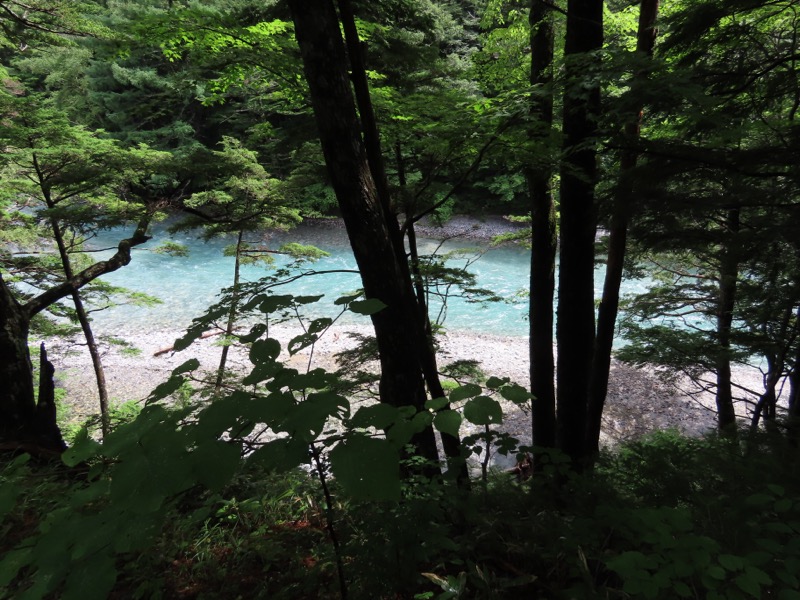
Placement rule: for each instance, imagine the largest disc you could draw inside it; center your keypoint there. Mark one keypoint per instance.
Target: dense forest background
(657, 138)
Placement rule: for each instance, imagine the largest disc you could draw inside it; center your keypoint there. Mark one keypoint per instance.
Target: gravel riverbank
(638, 400)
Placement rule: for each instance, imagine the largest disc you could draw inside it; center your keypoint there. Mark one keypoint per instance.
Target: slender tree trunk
(450, 443)
(617, 244)
(85, 323)
(80, 309)
(383, 275)
(223, 359)
(765, 407)
(728, 276)
(575, 316)
(544, 237)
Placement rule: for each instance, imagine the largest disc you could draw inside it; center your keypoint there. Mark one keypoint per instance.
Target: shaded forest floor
(666, 517)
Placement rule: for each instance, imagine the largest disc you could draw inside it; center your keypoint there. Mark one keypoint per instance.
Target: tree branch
(120, 259)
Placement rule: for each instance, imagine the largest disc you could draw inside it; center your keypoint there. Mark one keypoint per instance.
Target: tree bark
(617, 243)
(17, 405)
(575, 316)
(728, 275)
(396, 327)
(544, 238)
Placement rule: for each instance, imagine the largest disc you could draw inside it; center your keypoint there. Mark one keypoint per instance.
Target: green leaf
(379, 416)
(281, 455)
(483, 411)
(192, 334)
(319, 325)
(315, 379)
(304, 340)
(271, 410)
(468, 390)
(83, 447)
(170, 386)
(751, 581)
(370, 306)
(367, 469)
(256, 331)
(215, 463)
(262, 372)
(448, 421)
(758, 499)
(731, 562)
(11, 562)
(307, 299)
(717, 572)
(273, 303)
(307, 420)
(92, 579)
(435, 404)
(515, 393)
(495, 382)
(190, 365)
(346, 299)
(264, 351)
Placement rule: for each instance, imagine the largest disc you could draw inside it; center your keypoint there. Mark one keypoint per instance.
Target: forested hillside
(648, 141)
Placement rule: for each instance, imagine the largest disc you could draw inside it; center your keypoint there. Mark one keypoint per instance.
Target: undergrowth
(665, 517)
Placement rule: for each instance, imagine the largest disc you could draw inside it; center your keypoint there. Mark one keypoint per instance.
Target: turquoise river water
(187, 285)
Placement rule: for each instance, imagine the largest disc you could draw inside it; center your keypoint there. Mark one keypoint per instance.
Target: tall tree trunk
(575, 316)
(728, 276)
(617, 243)
(544, 238)
(223, 359)
(80, 311)
(383, 275)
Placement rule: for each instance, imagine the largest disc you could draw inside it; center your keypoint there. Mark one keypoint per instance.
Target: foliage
(664, 517)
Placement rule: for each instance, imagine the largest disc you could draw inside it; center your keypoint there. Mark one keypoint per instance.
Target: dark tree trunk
(17, 400)
(728, 276)
(617, 243)
(383, 276)
(543, 232)
(575, 317)
(21, 421)
(793, 417)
